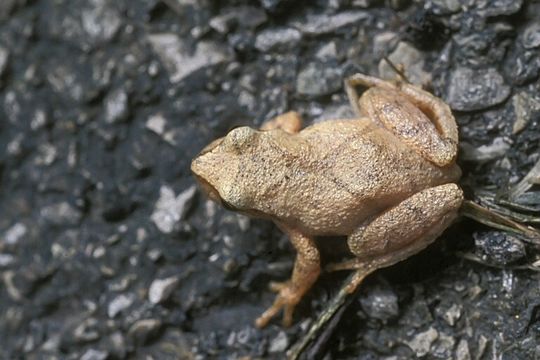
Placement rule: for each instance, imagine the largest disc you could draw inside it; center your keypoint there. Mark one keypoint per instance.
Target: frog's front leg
(305, 273)
(290, 122)
(404, 230)
(418, 118)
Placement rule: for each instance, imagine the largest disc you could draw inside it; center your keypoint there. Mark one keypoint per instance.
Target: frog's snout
(199, 172)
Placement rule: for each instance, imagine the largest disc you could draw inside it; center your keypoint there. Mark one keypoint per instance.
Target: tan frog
(386, 180)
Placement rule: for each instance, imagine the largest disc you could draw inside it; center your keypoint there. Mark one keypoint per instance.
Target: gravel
(156, 123)
(100, 22)
(119, 304)
(244, 16)
(62, 213)
(490, 8)
(6, 260)
(278, 39)
(452, 314)
(93, 354)
(170, 209)
(471, 90)
(445, 7)
(14, 234)
(380, 303)
(462, 351)
(326, 23)
(318, 79)
(525, 108)
(143, 330)
(498, 148)
(108, 251)
(531, 36)
(116, 106)
(161, 289)
(4, 56)
(180, 61)
(279, 344)
(499, 248)
(421, 343)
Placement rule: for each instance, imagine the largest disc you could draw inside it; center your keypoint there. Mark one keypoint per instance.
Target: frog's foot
(290, 122)
(420, 119)
(305, 272)
(287, 298)
(350, 264)
(363, 268)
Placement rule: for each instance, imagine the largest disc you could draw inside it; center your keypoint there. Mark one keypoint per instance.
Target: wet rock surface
(108, 251)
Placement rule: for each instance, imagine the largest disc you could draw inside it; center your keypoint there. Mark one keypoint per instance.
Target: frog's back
(356, 170)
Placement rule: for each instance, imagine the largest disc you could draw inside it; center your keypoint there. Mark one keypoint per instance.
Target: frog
(385, 179)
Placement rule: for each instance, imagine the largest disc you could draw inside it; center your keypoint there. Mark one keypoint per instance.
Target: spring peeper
(385, 179)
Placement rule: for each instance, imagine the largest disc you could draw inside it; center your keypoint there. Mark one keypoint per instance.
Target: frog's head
(220, 167)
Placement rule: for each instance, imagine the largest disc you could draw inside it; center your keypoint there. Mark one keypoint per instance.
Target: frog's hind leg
(361, 80)
(305, 273)
(290, 122)
(436, 110)
(418, 118)
(402, 231)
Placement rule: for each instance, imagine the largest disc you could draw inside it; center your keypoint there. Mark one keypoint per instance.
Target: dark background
(108, 251)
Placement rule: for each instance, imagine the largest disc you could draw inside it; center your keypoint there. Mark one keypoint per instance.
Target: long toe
(286, 299)
(272, 311)
(278, 286)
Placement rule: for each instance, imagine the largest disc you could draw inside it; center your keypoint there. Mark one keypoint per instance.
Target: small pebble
(161, 289)
(93, 354)
(143, 330)
(499, 248)
(119, 304)
(317, 79)
(471, 90)
(421, 342)
(279, 344)
(170, 209)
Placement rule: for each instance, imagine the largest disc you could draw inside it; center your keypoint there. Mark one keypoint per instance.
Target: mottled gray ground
(108, 251)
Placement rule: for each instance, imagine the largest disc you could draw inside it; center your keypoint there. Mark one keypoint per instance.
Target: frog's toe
(272, 311)
(278, 286)
(286, 300)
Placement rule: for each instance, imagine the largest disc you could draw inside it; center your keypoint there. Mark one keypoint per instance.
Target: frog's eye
(240, 137)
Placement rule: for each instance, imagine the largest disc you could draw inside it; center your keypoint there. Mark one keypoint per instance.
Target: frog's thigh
(290, 122)
(407, 228)
(418, 118)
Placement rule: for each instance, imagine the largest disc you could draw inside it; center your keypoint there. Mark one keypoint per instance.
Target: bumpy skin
(385, 180)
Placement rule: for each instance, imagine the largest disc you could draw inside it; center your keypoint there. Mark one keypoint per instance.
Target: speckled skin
(326, 180)
(385, 180)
